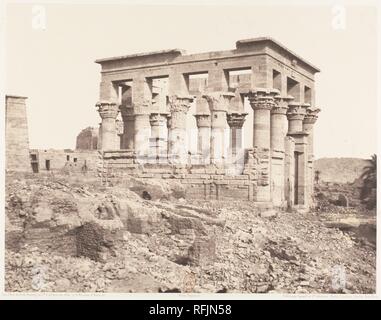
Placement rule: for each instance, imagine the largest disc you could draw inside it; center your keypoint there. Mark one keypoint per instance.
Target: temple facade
(183, 117)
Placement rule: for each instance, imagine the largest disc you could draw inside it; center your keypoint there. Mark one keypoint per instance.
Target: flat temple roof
(143, 54)
(239, 44)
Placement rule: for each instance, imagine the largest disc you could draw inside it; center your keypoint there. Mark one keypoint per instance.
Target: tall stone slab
(16, 135)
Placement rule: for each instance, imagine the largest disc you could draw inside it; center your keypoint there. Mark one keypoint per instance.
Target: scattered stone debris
(64, 235)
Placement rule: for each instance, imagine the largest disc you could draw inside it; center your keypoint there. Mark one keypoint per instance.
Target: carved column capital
(236, 120)
(158, 119)
(281, 104)
(311, 115)
(107, 110)
(218, 100)
(180, 103)
(262, 98)
(203, 120)
(179, 106)
(296, 111)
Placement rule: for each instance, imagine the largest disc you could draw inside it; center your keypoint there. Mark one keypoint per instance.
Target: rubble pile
(66, 236)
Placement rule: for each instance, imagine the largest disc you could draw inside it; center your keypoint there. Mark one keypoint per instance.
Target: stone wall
(204, 182)
(61, 160)
(16, 134)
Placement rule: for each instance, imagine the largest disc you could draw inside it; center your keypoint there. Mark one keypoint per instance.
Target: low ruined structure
(16, 134)
(87, 139)
(64, 160)
(154, 93)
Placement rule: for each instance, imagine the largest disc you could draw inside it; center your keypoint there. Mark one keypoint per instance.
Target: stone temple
(154, 92)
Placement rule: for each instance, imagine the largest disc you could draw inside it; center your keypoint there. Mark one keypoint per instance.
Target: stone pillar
(203, 136)
(16, 135)
(128, 127)
(142, 132)
(277, 142)
(279, 123)
(218, 105)
(289, 171)
(262, 101)
(236, 151)
(235, 122)
(108, 112)
(295, 115)
(308, 127)
(159, 134)
(179, 106)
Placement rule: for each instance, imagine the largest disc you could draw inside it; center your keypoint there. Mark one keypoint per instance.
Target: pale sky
(55, 67)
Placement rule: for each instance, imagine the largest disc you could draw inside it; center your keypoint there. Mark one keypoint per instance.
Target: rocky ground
(70, 234)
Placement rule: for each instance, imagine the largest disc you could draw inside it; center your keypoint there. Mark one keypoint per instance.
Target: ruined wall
(16, 134)
(204, 182)
(61, 160)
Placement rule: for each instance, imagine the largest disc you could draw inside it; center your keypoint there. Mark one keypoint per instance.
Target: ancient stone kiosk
(154, 93)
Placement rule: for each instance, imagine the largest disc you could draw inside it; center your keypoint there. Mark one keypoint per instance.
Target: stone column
(108, 112)
(236, 151)
(278, 133)
(159, 134)
(142, 132)
(279, 123)
(128, 127)
(308, 127)
(262, 101)
(203, 136)
(179, 106)
(289, 171)
(295, 115)
(235, 122)
(218, 105)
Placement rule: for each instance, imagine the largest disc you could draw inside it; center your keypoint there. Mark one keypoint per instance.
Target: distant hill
(340, 170)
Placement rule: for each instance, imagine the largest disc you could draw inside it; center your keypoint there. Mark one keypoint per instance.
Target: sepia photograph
(189, 148)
